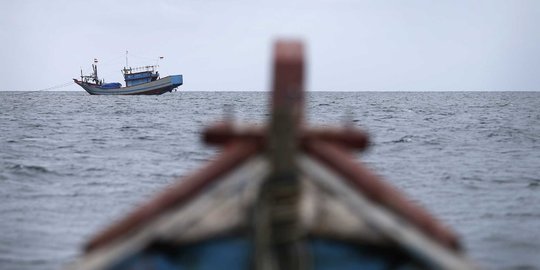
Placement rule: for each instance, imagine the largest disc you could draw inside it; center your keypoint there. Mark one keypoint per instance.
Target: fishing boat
(279, 196)
(139, 81)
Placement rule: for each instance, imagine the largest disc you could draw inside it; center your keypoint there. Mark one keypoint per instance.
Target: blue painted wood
(328, 254)
(223, 253)
(236, 253)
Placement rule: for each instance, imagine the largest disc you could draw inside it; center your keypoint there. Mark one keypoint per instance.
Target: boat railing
(131, 70)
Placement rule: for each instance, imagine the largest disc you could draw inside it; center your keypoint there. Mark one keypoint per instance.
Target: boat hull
(156, 87)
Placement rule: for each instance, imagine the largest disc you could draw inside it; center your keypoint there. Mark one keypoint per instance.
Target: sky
(227, 45)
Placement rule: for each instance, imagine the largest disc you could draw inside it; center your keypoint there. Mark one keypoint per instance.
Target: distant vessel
(139, 81)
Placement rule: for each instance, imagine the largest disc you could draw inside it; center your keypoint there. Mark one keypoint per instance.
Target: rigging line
(108, 63)
(48, 88)
(143, 57)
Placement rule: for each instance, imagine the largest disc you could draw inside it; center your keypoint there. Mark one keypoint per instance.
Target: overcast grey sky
(226, 45)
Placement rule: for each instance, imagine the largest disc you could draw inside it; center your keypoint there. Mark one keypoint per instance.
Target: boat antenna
(157, 61)
(126, 58)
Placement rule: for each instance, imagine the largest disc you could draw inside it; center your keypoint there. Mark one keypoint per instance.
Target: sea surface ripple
(71, 163)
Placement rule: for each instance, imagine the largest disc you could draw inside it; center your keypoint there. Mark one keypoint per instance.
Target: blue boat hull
(156, 87)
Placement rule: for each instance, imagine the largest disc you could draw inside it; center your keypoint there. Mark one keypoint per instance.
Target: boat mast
(126, 69)
(94, 67)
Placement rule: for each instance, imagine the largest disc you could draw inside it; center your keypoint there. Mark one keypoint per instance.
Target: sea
(72, 163)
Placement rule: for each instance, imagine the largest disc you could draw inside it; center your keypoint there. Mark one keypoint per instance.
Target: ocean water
(71, 163)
